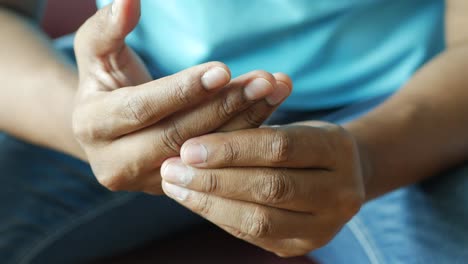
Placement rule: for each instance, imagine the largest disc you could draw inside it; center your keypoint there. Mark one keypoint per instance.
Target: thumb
(100, 41)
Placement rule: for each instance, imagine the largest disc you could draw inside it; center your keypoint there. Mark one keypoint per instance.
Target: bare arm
(423, 129)
(36, 84)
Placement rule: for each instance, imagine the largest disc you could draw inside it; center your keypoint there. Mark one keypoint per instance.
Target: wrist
(365, 159)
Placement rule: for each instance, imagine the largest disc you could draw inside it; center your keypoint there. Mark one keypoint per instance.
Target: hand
(286, 189)
(128, 125)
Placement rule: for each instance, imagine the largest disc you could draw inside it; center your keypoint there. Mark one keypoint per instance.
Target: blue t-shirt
(336, 51)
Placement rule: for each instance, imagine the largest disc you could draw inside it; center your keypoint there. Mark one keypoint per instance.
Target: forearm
(37, 87)
(421, 130)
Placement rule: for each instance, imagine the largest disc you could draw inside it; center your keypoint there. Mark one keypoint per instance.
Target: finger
(293, 189)
(155, 144)
(252, 223)
(254, 220)
(289, 146)
(255, 115)
(146, 149)
(102, 56)
(129, 109)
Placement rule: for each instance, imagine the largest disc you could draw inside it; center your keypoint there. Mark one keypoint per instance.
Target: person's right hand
(128, 124)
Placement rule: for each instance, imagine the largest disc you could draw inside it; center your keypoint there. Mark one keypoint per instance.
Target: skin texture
(128, 125)
(255, 183)
(119, 120)
(37, 108)
(289, 189)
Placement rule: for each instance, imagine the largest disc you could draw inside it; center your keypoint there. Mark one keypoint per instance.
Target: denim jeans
(52, 210)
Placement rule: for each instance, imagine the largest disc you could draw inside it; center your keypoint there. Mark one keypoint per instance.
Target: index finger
(129, 109)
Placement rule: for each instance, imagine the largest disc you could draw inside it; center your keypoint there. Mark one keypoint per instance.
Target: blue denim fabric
(53, 210)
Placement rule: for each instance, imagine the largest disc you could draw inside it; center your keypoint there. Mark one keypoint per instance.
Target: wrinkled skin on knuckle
(275, 188)
(181, 87)
(231, 104)
(280, 146)
(257, 225)
(253, 118)
(230, 153)
(171, 139)
(136, 109)
(210, 183)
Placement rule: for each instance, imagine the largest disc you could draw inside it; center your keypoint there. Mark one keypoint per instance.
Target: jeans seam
(42, 243)
(358, 229)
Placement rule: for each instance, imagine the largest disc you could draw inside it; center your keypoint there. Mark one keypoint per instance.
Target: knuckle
(210, 183)
(230, 153)
(231, 104)
(180, 95)
(204, 205)
(136, 109)
(254, 118)
(280, 146)
(258, 225)
(172, 138)
(276, 187)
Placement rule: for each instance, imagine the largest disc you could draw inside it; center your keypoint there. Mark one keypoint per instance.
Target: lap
(425, 223)
(53, 210)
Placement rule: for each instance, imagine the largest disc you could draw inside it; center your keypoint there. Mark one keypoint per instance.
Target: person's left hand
(287, 189)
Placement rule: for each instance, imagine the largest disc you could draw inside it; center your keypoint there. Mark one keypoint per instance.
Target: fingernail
(281, 92)
(175, 191)
(257, 89)
(214, 78)
(194, 153)
(176, 172)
